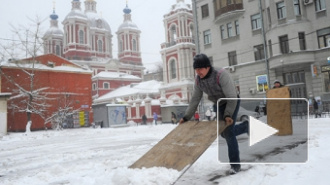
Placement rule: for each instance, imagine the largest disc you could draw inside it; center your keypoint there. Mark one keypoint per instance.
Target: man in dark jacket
(217, 83)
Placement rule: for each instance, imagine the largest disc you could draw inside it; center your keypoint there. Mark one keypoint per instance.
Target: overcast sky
(146, 14)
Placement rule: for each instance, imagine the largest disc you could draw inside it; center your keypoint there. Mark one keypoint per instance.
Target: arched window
(57, 50)
(100, 45)
(134, 45)
(173, 69)
(81, 37)
(121, 46)
(173, 33)
(106, 85)
(191, 30)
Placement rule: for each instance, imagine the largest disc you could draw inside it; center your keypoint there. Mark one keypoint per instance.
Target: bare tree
(65, 111)
(27, 97)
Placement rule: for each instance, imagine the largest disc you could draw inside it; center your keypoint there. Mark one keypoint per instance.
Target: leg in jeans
(230, 135)
(242, 128)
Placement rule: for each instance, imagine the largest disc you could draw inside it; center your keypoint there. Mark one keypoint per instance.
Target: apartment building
(284, 40)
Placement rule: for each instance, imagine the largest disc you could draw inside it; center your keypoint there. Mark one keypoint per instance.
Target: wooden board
(182, 146)
(279, 111)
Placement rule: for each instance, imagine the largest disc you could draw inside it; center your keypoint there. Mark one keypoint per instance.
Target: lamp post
(264, 42)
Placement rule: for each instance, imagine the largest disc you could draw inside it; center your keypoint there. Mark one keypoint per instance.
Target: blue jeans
(231, 132)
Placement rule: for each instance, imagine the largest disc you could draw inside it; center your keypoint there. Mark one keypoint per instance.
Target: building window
(259, 52)
(57, 50)
(207, 37)
(270, 46)
(106, 85)
(121, 46)
(294, 77)
(284, 44)
(191, 29)
(173, 34)
(269, 17)
(232, 57)
(262, 83)
(229, 30)
(173, 69)
(281, 10)
(222, 31)
(326, 76)
(94, 86)
(319, 5)
(100, 45)
(323, 36)
(256, 21)
(81, 36)
(205, 11)
(134, 45)
(237, 27)
(302, 41)
(296, 4)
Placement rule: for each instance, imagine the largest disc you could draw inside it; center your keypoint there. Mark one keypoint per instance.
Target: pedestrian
(222, 87)
(316, 108)
(196, 116)
(277, 84)
(256, 109)
(208, 114)
(144, 119)
(173, 118)
(213, 116)
(155, 118)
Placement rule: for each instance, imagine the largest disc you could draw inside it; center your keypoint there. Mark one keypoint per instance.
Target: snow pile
(103, 156)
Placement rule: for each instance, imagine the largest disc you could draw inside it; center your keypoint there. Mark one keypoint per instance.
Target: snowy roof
(45, 67)
(180, 5)
(153, 67)
(180, 83)
(76, 14)
(115, 75)
(54, 31)
(148, 87)
(128, 25)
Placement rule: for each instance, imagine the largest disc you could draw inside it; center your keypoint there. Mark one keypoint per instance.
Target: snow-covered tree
(27, 97)
(65, 110)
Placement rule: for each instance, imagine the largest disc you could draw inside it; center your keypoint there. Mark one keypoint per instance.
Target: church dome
(54, 30)
(127, 24)
(95, 21)
(78, 14)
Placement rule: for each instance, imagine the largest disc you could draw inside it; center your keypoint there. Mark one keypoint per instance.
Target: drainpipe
(194, 4)
(196, 26)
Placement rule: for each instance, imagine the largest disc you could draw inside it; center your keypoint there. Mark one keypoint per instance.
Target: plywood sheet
(182, 146)
(279, 111)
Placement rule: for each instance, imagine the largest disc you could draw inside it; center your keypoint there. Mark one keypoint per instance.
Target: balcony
(228, 12)
(178, 41)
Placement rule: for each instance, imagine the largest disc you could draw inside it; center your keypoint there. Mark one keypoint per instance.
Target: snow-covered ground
(102, 156)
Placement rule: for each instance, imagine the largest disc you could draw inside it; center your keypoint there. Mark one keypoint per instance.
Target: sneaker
(234, 169)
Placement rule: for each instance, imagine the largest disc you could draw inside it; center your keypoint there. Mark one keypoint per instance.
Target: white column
(3, 113)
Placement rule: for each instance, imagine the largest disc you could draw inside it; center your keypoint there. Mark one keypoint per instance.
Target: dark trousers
(231, 132)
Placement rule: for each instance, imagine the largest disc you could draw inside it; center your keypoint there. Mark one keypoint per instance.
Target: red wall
(78, 85)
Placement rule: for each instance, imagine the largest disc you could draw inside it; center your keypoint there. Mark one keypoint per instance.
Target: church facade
(86, 39)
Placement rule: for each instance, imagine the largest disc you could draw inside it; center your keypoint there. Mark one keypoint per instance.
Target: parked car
(244, 114)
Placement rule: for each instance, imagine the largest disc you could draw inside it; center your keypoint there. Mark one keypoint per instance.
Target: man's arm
(195, 99)
(228, 87)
